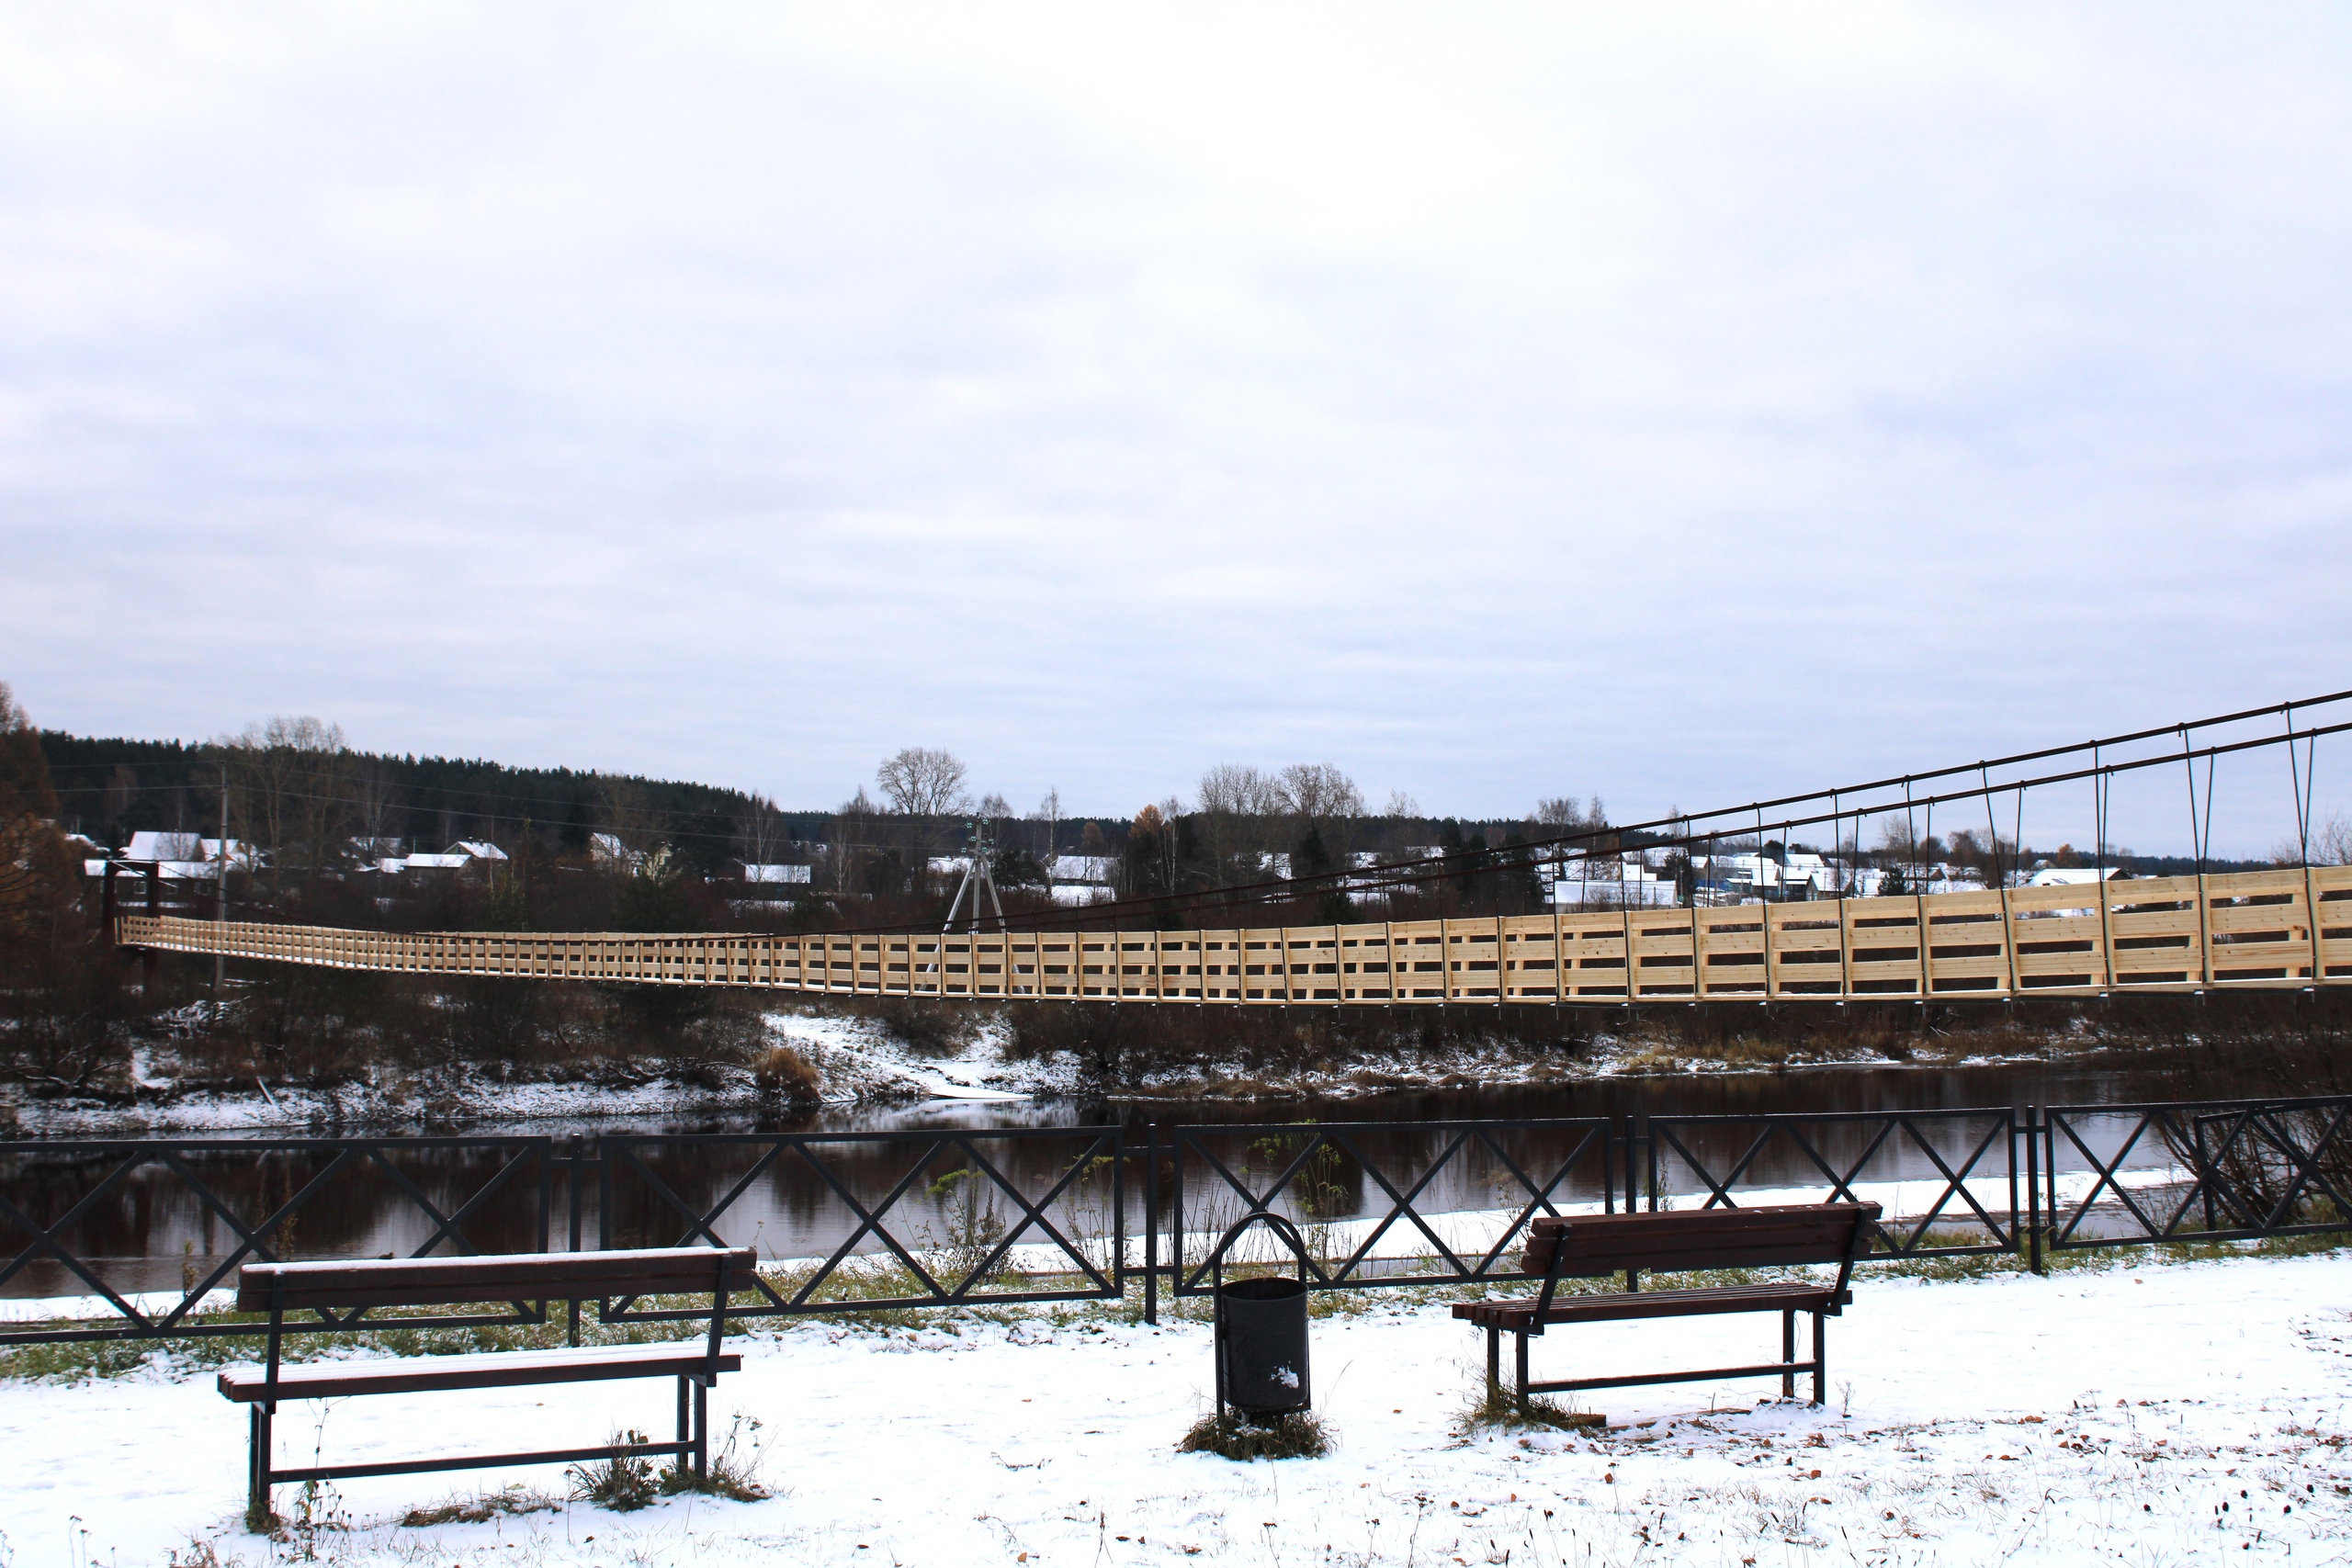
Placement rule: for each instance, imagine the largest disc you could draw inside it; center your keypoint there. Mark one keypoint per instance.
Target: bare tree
(1049, 812)
(997, 812)
(375, 801)
(852, 843)
(761, 832)
(624, 811)
(1239, 806)
(1317, 793)
(1322, 804)
(923, 781)
(1562, 815)
(2331, 844)
(291, 776)
(924, 786)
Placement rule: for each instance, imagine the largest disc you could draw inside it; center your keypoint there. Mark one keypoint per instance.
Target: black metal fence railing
(128, 1239)
(1350, 1185)
(81, 1213)
(1954, 1176)
(2227, 1171)
(959, 1217)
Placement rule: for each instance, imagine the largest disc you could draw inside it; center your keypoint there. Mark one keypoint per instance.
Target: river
(155, 1230)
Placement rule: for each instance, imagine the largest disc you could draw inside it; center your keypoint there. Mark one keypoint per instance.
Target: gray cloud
(1686, 406)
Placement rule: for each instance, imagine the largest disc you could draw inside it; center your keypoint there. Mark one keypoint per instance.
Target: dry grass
(481, 1508)
(781, 1074)
(734, 1469)
(1296, 1434)
(624, 1484)
(1491, 1406)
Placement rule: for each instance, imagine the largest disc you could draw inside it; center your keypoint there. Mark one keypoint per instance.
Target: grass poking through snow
(1295, 1434)
(1492, 1406)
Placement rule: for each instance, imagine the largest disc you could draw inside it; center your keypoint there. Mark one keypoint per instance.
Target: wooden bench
(353, 1288)
(1592, 1245)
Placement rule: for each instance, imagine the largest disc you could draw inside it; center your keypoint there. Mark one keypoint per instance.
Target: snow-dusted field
(2148, 1415)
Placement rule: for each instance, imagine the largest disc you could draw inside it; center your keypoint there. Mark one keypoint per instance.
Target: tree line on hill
(590, 851)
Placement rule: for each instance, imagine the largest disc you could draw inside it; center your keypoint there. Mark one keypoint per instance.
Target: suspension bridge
(2285, 927)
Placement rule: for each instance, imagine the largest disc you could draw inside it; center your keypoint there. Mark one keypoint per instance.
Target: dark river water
(169, 1219)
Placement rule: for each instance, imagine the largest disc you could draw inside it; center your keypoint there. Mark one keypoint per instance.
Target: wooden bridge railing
(2244, 929)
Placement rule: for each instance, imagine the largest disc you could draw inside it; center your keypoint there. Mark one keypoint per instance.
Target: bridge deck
(2241, 931)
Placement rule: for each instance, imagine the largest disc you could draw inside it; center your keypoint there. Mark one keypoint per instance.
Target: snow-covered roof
(606, 849)
(164, 846)
(2069, 876)
(148, 845)
(1606, 869)
(169, 870)
(479, 849)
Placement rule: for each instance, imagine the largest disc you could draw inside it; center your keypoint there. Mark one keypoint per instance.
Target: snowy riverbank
(862, 1062)
(2115, 1414)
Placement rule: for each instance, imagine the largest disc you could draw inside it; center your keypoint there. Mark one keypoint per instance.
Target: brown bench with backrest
(353, 1288)
(1589, 1247)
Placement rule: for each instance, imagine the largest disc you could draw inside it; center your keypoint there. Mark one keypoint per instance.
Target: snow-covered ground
(860, 1061)
(2149, 1413)
(863, 1056)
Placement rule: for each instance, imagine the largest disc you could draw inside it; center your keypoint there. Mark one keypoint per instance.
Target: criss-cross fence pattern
(1949, 1182)
(2224, 1171)
(939, 1218)
(2248, 930)
(1464, 1190)
(72, 1213)
(136, 1233)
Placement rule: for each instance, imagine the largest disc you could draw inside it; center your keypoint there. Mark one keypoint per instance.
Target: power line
(1520, 856)
(1526, 853)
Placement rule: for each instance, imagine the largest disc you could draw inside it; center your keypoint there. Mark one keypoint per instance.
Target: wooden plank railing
(2246, 930)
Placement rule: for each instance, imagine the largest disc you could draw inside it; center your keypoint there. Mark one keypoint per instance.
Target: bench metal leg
(702, 1429)
(1522, 1374)
(257, 1464)
(1789, 1352)
(1820, 1357)
(1494, 1362)
(686, 1433)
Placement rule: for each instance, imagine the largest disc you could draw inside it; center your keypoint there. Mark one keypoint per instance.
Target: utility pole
(978, 878)
(220, 902)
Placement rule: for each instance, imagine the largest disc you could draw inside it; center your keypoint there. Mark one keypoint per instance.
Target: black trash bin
(1262, 1334)
(1261, 1345)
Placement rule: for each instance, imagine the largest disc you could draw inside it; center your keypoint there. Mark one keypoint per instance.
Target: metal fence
(137, 1233)
(1964, 1202)
(2232, 1170)
(1354, 1184)
(73, 1208)
(1011, 1216)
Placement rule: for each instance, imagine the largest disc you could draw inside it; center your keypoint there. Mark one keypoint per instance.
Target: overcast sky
(1680, 404)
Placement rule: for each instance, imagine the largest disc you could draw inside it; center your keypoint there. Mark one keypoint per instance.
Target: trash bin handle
(1284, 1231)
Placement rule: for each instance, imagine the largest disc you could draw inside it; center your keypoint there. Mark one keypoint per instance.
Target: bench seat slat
(1621, 1306)
(503, 1369)
(506, 1276)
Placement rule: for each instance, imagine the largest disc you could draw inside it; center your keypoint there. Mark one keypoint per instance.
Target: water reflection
(168, 1218)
